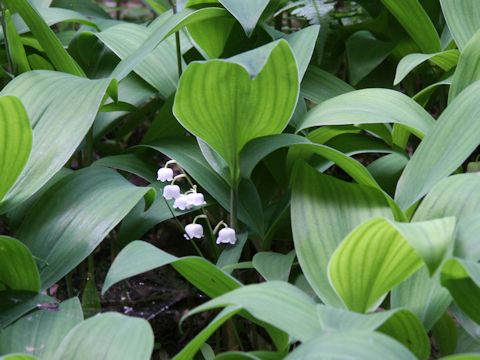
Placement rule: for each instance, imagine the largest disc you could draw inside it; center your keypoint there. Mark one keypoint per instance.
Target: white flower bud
(182, 203)
(196, 199)
(171, 192)
(193, 231)
(226, 236)
(165, 174)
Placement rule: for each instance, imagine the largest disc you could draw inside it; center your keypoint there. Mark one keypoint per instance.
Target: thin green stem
(177, 42)
(234, 207)
(7, 46)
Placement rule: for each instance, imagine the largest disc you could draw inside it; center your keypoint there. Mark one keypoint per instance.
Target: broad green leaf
(246, 12)
(18, 270)
(324, 210)
(173, 23)
(14, 304)
(387, 170)
(463, 19)
(380, 254)
(277, 303)
(400, 324)
(351, 345)
(108, 336)
(445, 334)
(364, 53)
(370, 106)
(225, 121)
(253, 355)
(45, 36)
(456, 196)
(462, 279)
(468, 69)
(16, 140)
(61, 108)
(41, 332)
(97, 199)
(445, 60)
(86, 7)
(189, 351)
(159, 68)
(139, 257)
(15, 47)
(303, 44)
(416, 22)
(423, 295)
(52, 16)
(274, 266)
(451, 141)
(319, 85)
(423, 96)
(466, 356)
(18, 357)
(211, 36)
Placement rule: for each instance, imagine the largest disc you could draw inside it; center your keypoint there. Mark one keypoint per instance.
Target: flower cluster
(188, 200)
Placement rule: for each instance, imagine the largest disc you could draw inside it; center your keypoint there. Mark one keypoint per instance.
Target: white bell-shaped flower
(171, 192)
(181, 203)
(193, 231)
(165, 174)
(227, 236)
(196, 199)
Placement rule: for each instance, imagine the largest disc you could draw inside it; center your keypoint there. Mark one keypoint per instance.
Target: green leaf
(462, 279)
(97, 199)
(319, 85)
(50, 98)
(274, 266)
(468, 69)
(423, 295)
(14, 304)
(445, 334)
(277, 303)
(363, 107)
(16, 140)
(18, 270)
(445, 59)
(324, 210)
(364, 54)
(159, 68)
(246, 12)
(45, 36)
(189, 351)
(15, 46)
(351, 345)
(443, 150)
(18, 357)
(108, 336)
(387, 170)
(400, 324)
(463, 19)
(225, 121)
(416, 22)
(456, 196)
(41, 332)
(170, 26)
(303, 44)
(139, 257)
(380, 254)
(211, 36)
